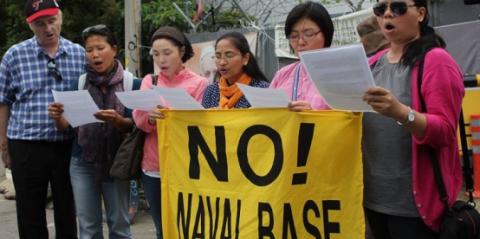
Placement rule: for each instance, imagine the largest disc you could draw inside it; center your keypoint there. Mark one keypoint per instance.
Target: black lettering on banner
(310, 205)
(199, 225)
(219, 166)
(213, 225)
(330, 227)
(199, 220)
(267, 230)
(305, 136)
(237, 224)
(242, 152)
(185, 222)
(288, 222)
(227, 221)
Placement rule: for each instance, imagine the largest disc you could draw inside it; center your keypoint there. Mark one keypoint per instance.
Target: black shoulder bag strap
(154, 79)
(467, 171)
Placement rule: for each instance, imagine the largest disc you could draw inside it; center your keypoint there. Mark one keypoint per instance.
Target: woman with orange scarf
(235, 64)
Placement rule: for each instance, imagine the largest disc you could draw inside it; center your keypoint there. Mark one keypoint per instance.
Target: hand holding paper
(342, 75)
(78, 106)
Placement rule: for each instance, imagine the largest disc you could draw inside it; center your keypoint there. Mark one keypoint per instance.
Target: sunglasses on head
(52, 69)
(94, 29)
(397, 8)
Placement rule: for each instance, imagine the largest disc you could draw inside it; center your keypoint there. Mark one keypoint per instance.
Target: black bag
(127, 164)
(128, 159)
(461, 220)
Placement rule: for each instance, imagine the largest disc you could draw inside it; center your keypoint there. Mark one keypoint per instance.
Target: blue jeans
(88, 194)
(151, 186)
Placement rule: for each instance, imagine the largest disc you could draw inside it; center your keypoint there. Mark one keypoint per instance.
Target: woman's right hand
(156, 114)
(55, 110)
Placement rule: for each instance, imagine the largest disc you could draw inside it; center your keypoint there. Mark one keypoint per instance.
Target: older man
(39, 153)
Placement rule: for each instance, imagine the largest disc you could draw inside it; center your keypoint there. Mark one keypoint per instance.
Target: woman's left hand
(298, 106)
(109, 116)
(385, 103)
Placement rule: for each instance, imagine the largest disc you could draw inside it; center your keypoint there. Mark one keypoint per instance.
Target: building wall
(453, 11)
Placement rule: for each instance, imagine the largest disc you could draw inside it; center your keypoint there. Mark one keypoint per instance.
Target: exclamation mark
(305, 136)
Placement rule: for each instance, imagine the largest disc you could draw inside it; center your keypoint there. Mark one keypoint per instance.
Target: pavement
(142, 226)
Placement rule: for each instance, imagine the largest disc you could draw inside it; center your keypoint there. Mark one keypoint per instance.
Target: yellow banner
(263, 173)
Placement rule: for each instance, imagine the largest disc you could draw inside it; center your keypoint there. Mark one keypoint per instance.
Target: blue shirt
(211, 97)
(26, 87)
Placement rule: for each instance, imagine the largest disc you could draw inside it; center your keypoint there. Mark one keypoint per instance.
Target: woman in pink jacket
(308, 27)
(417, 122)
(170, 50)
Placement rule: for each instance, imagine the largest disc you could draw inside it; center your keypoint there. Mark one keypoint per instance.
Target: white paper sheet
(264, 97)
(146, 100)
(178, 98)
(342, 75)
(78, 106)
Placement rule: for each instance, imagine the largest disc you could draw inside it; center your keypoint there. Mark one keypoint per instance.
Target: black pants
(34, 165)
(384, 226)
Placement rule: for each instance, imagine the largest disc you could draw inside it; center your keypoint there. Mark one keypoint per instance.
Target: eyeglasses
(397, 8)
(94, 29)
(227, 56)
(52, 69)
(306, 36)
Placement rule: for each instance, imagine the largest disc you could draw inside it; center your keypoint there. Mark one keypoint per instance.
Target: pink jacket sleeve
(198, 94)
(442, 90)
(274, 82)
(140, 117)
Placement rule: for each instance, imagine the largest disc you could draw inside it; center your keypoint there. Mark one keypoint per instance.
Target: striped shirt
(26, 87)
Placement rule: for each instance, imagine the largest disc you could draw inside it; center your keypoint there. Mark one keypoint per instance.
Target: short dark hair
(315, 12)
(99, 30)
(176, 37)
(240, 42)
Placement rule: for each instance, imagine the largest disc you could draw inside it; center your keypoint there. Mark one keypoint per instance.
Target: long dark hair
(240, 42)
(416, 50)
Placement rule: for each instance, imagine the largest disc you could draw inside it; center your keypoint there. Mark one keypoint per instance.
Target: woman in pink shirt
(418, 110)
(308, 27)
(170, 50)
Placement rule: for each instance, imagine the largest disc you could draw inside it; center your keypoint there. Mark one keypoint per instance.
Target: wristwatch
(410, 118)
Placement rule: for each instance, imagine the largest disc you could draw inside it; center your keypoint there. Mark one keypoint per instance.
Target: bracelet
(410, 118)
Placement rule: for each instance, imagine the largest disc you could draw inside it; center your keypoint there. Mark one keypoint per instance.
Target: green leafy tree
(13, 24)
(157, 13)
(77, 15)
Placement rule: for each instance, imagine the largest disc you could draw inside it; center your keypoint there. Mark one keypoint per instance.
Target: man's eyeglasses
(52, 69)
(397, 8)
(227, 56)
(306, 36)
